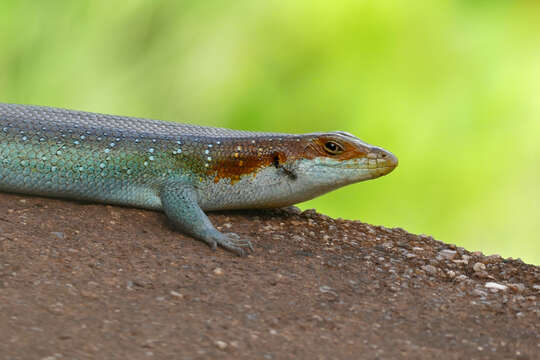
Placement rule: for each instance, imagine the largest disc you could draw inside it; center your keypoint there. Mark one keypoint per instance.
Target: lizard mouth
(371, 171)
(378, 159)
(376, 163)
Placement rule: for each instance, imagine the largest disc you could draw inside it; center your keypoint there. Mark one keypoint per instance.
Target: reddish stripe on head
(347, 149)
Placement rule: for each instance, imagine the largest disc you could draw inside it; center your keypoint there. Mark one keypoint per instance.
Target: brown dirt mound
(83, 281)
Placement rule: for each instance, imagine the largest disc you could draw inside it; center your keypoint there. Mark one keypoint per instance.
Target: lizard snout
(382, 159)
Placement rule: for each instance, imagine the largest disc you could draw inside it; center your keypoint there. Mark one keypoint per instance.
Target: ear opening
(276, 161)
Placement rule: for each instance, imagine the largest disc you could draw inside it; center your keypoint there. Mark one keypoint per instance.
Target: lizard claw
(232, 242)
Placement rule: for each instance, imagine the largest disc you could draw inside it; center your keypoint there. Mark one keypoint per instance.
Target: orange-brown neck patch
(235, 167)
(240, 158)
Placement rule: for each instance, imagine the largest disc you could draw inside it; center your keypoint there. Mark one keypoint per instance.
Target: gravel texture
(84, 281)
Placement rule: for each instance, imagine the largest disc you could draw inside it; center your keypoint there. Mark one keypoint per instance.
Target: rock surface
(85, 281)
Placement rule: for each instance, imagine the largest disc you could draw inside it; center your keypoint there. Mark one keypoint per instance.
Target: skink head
(327, 161)
(273, 170)
(347, 157)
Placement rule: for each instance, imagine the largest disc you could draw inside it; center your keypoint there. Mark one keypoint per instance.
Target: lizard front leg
(180, 205)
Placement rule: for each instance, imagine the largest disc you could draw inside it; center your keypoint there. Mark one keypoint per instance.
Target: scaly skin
(177, 168)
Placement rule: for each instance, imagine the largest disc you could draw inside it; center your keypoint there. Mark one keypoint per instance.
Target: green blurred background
(451, 87)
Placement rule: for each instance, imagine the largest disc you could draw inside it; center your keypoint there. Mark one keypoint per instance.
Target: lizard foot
(233, 243)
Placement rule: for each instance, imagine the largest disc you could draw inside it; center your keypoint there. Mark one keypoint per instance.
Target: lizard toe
(234, 243)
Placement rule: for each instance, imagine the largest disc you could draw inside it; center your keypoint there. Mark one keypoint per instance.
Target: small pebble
(327, 289)
(294, 209)
(495, 258)
(478, 267)
(479, 292)
(517, 287)
(221, 344)
(448, 254)
(309, 212)
(58, 234)
(218, 271)
(430, 269)
(176, 294)
(494, 285)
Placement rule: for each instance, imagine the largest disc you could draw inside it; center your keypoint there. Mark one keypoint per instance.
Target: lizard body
(180, 169)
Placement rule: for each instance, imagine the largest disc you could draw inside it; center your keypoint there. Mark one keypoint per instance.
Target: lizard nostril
(383, 155)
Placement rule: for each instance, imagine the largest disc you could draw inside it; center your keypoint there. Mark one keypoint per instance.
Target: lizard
(180, 169)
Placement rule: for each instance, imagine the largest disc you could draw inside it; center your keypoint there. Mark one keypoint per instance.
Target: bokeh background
(451, 87)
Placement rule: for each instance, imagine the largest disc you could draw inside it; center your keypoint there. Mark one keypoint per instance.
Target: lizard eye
(333, 148)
